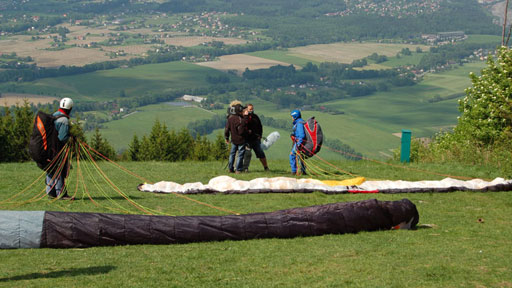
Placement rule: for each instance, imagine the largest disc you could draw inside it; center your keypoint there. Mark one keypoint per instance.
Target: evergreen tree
(202, 148)
(24, 118)
(184, 145)
(219, 148)
(101, 146)
(6, 135)
(134, 149)
(145, 147)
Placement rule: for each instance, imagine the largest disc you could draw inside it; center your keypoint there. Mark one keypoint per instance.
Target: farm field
(283, 56)
(345, 53)
(9, 99)
(135, 81)
(467, 244)
(348, 52)
(240, 62)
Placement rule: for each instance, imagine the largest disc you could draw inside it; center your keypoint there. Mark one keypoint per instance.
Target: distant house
(454, 35)
(193, 98)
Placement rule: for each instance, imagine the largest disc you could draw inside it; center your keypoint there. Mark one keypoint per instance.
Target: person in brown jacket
(236, 127)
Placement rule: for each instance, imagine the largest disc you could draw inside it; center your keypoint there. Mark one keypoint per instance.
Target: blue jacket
(62, 126)
(298, 130)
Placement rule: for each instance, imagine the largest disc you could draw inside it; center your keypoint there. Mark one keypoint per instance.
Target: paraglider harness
(44, 142)
(312, 143)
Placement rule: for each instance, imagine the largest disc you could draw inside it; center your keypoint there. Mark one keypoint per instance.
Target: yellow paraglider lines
(88, 170)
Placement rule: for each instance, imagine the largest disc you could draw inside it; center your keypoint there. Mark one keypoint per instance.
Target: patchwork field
(239, 62)
(82, 35)
(135, 81)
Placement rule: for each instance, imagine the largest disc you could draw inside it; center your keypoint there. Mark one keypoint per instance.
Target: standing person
(236, 126)
(254, 133)
(55, 180)
(297, 136)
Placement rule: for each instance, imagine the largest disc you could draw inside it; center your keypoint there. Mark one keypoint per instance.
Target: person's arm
(226, 131)
(299, 133)
(259, 127)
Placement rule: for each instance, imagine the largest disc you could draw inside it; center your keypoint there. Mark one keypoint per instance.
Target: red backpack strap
(312, 134)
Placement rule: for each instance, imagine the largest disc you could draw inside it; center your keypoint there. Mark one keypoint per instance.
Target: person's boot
(264, 163)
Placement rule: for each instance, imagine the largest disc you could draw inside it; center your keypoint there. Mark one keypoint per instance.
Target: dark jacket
(237, 127)
(254, 127)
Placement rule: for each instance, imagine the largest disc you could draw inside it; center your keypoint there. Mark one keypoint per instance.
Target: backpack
(314, 138)
(44, 142)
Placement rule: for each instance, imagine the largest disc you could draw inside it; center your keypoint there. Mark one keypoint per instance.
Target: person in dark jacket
(298, 138)
(236, 127)
(55, 180)
(254, 134)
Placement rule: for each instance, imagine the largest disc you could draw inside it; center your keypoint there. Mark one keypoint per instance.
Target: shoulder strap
(60, 116)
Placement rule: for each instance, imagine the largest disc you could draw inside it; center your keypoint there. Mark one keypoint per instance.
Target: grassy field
(459, 250)
(120, 132)
(367, 125)
(413, 59)
(135, 81)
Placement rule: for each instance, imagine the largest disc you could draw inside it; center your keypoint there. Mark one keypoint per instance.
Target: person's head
(235, 102)
(295, 114)
(250, 108)
(66, 104)
(239, 109)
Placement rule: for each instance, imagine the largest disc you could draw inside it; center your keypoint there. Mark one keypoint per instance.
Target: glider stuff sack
(44, 142)
(314, 138)
(40, 229)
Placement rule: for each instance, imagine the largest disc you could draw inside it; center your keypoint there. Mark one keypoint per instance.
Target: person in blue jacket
(298, 137)
(55, 181)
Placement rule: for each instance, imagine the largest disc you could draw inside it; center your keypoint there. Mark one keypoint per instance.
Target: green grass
(457, 251)
(484, 39)
(120, 132)
(413, 59)
(136, 81)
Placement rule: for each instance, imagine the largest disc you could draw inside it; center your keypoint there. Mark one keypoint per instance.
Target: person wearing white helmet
(55, 183)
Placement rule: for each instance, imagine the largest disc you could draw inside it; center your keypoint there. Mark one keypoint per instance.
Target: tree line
(161, 144)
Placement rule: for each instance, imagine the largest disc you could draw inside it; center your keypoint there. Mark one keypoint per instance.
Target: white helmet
(66, 103)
